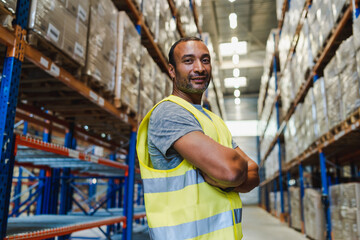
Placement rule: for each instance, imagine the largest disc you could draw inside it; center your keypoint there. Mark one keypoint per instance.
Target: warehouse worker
(191, 169)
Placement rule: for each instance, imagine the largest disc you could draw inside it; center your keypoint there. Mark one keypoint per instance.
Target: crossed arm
(220, 166)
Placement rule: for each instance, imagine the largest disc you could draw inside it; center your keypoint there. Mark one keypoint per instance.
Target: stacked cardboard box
(275, 203)
(269, 101)
(333, 92)
(279, 7)
(128, 62)
(149, 9)
(6, 20)
(272, 163)
(350, 87)
(314, 215)
(60, 24)
(291, 21)
(291, 140)
(102, 45)
(321, 106)
(186, 17)
(356, 32)
(147, 81)
(269, 134)
(345, 211)
(295, 216)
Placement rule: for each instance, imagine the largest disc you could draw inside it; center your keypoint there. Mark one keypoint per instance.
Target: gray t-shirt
(168, 122)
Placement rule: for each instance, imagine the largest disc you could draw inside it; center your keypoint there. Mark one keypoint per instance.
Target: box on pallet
(128, 61)
(345, 211)
(102, 47)
(321, 106)
(295, 216)
(9, 4)
(314, 215)
(54, 22)
(6, 20)
(356, 32)
(147, 77)
(275, 203)
(149, 9)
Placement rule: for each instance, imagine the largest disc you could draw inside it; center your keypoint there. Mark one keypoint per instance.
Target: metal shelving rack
(69, 114)
(342, 140)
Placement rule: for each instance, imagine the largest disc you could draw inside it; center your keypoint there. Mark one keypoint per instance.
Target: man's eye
(187, 60)
(206, 60)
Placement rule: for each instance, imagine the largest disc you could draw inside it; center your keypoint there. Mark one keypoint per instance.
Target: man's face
(193, 67)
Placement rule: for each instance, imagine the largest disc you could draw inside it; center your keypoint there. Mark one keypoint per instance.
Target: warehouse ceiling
(255, 19)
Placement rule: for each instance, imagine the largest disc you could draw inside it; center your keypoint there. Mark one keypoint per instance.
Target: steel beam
(8, 100)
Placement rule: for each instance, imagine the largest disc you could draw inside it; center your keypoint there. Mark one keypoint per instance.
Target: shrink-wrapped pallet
(304, 55)
(295, 216)
(337, 6)
(291, 140)
(314, 215)
(63, 28)
(345, 54)
(147, 74)
(162, 28)
(321, 106)
(78, 8)
(102, 46)
(149, 9)
(345, 211)
(279, 7)
(128, 62)
(356, 32)
(186, 17)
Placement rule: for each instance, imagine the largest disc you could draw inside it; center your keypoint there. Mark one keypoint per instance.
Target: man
(191, 169)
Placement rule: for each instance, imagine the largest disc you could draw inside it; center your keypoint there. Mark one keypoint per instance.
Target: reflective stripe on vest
(196, 228)
(169, 184)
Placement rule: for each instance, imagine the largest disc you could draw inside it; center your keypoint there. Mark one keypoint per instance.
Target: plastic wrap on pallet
(304, 55)
(147, 74)
(314, 215)
(149, 9)
(128, 59)
(160, 82)
(279, 7)
(102, 46)
(186, 17)
(291, 140)
(146, 104)
(272, 163)
(345, 54)
(358, 61)
(295, 216)
(163, 19)
(269, 54)
(291, 21)
(356, 32)
(321, 106)
(52, 21)
(345, 213)
(350, 90)
(10, 5)
(337, 6)
(275, 203)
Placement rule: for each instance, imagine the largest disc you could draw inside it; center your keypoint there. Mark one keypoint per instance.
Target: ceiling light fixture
(236, 72)
(237, 93)
(234, 40)
(237, 101)
(235, 82)
(233, 20)
(235, 59)
(231, 0)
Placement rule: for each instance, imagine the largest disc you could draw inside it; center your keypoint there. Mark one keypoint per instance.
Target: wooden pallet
(98, 87)
(57, 55)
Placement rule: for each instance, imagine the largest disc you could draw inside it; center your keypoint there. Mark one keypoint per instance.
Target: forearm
(221, 184)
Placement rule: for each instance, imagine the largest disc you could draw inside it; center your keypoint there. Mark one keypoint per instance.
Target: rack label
(53, 33)
(54, 70)
(73, 153)
(82, 13)
(101, 101)
(44, 62)
(93, 95)
(79, 50)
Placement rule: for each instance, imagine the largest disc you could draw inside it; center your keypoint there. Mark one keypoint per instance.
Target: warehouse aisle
(259, 224)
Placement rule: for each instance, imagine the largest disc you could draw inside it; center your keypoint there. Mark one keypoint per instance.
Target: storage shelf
(46, 226)
(340, 141)
(331, 46)
(266, 181)
(37, 153)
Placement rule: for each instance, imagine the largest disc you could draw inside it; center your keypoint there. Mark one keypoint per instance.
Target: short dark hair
(171, 52)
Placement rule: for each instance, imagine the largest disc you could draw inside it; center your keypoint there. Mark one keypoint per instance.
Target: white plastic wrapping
(314, 215)
(295, 215)
(10, 5)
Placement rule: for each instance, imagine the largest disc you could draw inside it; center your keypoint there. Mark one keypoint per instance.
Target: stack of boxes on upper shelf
(6, 19)
(106, 46)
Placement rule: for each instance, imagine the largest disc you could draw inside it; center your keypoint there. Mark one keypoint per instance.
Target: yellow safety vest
(179, 203)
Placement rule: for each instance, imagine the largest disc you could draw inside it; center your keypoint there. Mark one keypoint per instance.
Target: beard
(185, 84)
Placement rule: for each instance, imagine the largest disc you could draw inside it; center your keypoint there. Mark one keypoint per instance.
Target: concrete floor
(259, 224)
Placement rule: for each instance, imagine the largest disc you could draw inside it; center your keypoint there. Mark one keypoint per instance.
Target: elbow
(237, 173)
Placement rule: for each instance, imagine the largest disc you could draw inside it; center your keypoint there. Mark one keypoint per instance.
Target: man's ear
(172, 71)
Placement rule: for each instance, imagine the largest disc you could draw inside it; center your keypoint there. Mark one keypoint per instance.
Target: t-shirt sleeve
(169, 122)
(234, 144)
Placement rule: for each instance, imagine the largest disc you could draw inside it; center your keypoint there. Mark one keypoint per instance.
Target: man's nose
(198, 66)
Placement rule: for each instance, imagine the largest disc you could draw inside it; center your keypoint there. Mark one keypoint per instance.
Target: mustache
(198, 75)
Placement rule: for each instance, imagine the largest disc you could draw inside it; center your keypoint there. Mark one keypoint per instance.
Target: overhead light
(233, 20)
(228, 49)
(237, 93)
(236, 72)
(86, 127)
(231, 0)
(237, 101)
(235, 82)
(103, 135)
(234, 40)
(235, 59)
